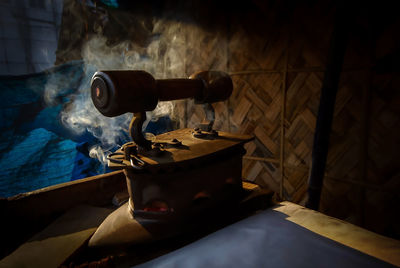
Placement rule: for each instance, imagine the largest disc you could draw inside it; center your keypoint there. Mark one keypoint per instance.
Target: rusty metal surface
(190, 174)
(181, 175)
(189, 148)
(188, 191)
(253, 199)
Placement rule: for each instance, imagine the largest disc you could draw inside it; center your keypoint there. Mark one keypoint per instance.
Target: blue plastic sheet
(267, 239)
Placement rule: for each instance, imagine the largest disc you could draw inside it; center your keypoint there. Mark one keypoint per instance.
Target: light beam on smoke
(161, 46)
(157, 58)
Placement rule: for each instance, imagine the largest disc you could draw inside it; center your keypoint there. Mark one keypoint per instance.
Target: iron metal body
(179, 177)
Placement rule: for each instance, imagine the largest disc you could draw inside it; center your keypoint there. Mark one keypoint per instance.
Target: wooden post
(364, 129)
(326, 107)
(283, 115)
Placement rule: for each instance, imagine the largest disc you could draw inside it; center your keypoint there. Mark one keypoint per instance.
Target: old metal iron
(179, 177)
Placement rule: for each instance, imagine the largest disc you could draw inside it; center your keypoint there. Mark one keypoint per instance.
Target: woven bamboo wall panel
(310, 38)
(346, 132)
(211, 51)
(257, 41)
(384, 121)
(383, 161)
(259, 53)
(210, 54)
(278, 66)
(302, 98)
(344, 154)
(342, 194)
(255, 108)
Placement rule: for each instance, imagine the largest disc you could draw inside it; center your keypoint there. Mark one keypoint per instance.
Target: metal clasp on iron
(137, 163)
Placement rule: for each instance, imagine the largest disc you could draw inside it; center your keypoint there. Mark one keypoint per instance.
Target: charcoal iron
(181, 176)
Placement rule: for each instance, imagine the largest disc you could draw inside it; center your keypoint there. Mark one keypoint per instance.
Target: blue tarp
(267, 239)
(36, 149)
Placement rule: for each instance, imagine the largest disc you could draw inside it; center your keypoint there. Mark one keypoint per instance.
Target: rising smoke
(162, 57)
(163, 53)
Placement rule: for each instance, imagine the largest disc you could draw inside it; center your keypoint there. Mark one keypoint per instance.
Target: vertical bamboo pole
(327, 105)
(364, 133)
(228, 65)
(283, 115)
(228, 102)
(364, 129)
(186, 102)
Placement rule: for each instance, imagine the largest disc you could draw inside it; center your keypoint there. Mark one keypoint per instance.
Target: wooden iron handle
(117, 92)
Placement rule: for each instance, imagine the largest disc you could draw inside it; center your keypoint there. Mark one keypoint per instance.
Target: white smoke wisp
(169, 52)
(55, 87)
(163, 108)
(97, 152)
(162, 57)
(83, 116)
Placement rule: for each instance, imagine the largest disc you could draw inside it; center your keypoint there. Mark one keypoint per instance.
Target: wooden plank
(282, 124)
(299, 102)
(250, 148)
(370, 243)
(294, 126)
(254, 171)
(247, 127)
(300, 192)
(303, 151)
(246, 166)
(267, 141)
(289, 189)
(274, 108)
(248, 186)
(291, 159)
(58, 241)
(338, 151)
(314, 82)
(256, 100)
(272, 84)
(254, 114)
(297, 83)
(273, 170)
(296, 177)
(348, 160)
(272, 128)
(344, 95)
(241, 111)
(309, 118)
(270, 182)
(32, 211)
(238, 91)
(257, 84)
(264, 159)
